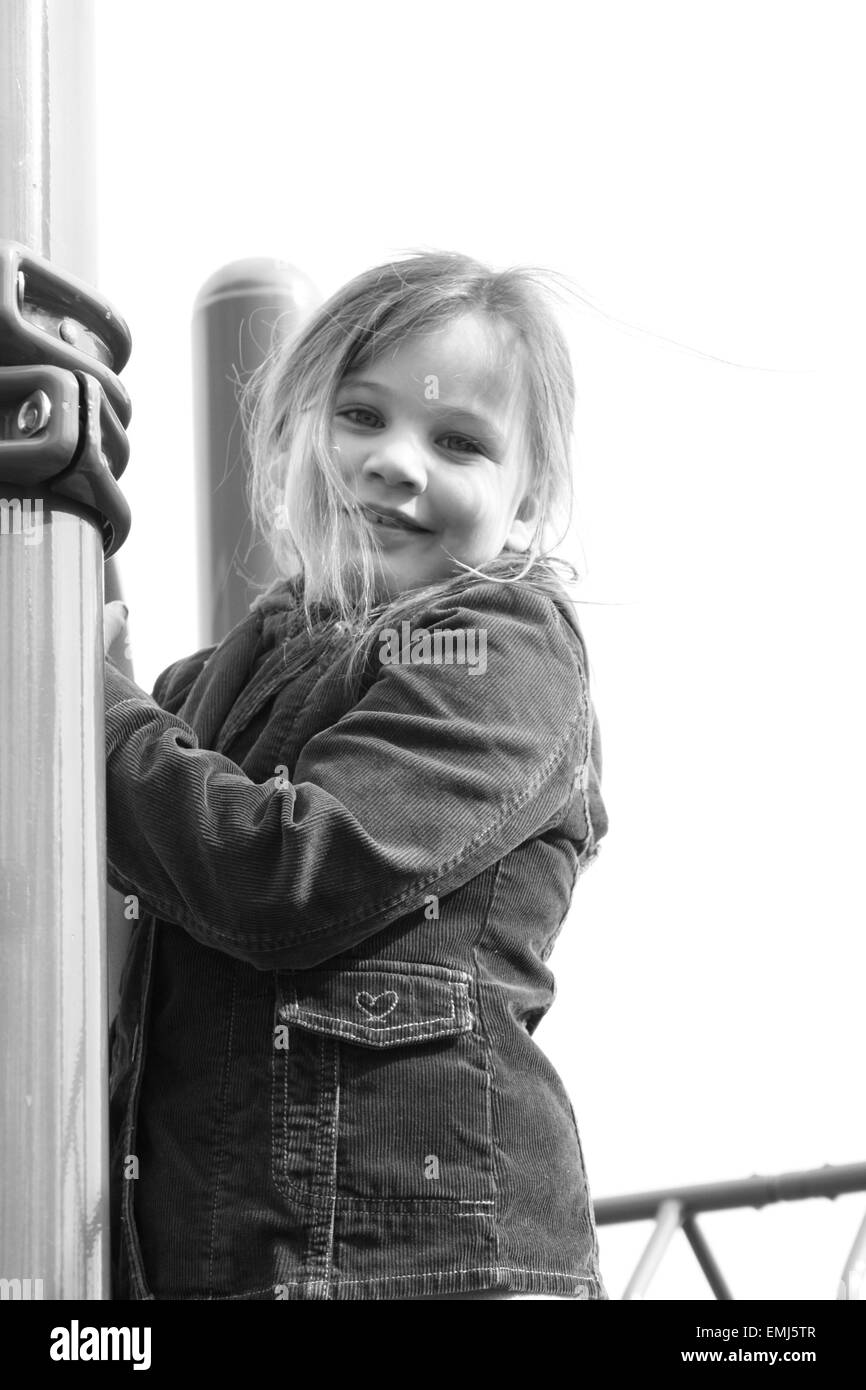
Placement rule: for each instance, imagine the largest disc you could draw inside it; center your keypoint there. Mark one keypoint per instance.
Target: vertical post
(241, 313)
(53, 1002)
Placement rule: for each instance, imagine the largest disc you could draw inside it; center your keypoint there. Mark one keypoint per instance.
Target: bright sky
(697, 170)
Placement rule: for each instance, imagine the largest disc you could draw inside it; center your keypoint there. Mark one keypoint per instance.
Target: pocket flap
(378, 1006)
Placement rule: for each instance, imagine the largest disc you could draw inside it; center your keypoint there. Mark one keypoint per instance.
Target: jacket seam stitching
(480, 1269)
(222, 1148)
(130, 1243)
(350, 1029)
(494, 1268)
(488, 1078)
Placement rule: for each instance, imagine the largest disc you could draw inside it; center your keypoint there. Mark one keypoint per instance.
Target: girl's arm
(434, 775)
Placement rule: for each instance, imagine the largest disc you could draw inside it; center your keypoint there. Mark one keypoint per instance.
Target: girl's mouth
(388, 522)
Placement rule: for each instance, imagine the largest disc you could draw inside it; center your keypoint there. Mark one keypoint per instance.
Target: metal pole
(241, 313)
(53, 1014)
(833, 1180)
(853, 1281)
(706, 1259)
(668, 1220)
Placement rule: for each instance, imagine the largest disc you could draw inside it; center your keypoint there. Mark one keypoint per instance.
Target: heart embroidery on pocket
(380, 1006)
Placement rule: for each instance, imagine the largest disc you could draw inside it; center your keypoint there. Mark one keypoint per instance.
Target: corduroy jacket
(324, 1083)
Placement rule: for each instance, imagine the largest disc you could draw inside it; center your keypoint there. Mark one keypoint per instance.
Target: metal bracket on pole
(62, 408)
(57, 320)
(60, 436)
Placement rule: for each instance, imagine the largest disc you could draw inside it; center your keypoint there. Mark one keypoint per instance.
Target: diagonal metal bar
(705, 1258)
(668, 1219)
(853, 1282)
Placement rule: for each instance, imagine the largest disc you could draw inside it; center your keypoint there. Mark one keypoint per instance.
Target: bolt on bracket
(63, 410)
(59, 435)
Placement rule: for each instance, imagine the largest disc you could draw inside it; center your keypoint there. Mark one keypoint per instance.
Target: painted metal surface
(668, 1220)
(853, 1282)
(242, 312)
(53, 1023)
(53, 973)
(675, 1207)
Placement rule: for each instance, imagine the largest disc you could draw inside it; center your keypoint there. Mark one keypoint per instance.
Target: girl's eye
(372, 417)
(366, 418)
(474, 446)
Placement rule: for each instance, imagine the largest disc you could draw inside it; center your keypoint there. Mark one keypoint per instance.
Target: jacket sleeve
(435, 774)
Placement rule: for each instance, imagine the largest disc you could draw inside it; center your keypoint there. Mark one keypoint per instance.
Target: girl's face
(432, 444)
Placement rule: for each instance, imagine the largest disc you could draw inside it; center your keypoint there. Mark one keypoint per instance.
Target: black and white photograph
(431, 690)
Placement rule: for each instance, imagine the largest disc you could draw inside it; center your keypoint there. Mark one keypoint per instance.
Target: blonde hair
(298, 497)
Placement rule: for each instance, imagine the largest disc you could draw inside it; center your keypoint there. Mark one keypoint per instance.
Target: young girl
(353, 829)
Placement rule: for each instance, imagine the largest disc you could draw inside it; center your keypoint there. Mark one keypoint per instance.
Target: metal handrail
(675, 1208)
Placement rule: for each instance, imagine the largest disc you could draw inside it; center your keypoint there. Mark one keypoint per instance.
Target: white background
(698, 169)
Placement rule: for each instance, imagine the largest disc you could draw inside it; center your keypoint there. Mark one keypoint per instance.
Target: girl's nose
(397, 461)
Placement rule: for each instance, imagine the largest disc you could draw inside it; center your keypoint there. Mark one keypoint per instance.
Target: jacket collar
(265, 649)
(240, 678)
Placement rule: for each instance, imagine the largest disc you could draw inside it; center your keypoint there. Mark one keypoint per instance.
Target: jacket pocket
(381, 1086)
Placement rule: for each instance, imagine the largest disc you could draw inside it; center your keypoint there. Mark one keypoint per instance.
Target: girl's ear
(520, 533)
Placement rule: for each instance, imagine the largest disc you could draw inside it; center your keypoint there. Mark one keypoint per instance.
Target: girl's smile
(431, 442)
(387, 519)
